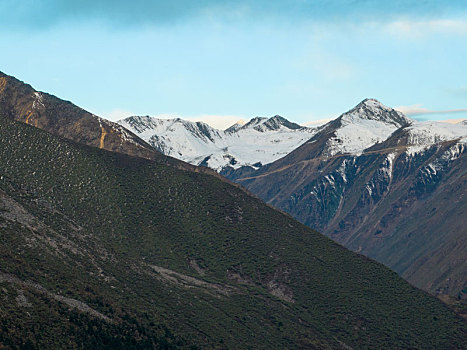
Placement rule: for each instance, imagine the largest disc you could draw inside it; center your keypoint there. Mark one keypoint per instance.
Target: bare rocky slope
(19, 101)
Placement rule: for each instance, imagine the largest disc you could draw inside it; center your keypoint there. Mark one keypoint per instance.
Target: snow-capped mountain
(383, 185)
(253, 144)
(370, 122)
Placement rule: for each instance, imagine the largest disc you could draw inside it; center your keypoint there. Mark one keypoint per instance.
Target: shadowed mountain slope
(102, 249)
(384, 186)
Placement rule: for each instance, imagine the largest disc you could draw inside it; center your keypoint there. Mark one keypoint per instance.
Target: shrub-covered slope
(101, 249)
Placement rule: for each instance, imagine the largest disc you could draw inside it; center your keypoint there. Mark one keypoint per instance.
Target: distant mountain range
(373, 180)
(130, 249)
(260, 141)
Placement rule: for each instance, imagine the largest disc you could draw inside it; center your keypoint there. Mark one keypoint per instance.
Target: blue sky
(220, 61)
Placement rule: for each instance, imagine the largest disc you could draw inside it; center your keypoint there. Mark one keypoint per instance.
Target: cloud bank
(418, 110)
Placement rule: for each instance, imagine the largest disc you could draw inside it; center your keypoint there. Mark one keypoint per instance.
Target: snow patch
(355, 137)
(38, 102)
(423, 135)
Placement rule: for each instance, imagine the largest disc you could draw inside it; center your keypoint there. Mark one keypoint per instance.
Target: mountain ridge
(199, 144)
(19, 101)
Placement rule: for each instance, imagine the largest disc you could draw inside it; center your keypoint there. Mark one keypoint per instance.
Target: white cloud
(216, 121)
(417, 109)
(117, 114)
(453, 121)
(317, 122)
(411, 29)
(412, 110)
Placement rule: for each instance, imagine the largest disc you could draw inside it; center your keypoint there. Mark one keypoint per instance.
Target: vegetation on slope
(100, 247)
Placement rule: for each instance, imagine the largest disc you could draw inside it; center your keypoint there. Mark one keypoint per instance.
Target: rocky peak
(139, 123)
(265, 124)
(276, 122)
(235, 127)
(202, 129)
(372, 109)
(254, 122)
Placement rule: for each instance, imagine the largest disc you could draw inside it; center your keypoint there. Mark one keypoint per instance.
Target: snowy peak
(371, 109)
(237, 126)
(202, 130)
(139, 123)
(371, 122)
(261, 124)
(256, 143)
(277, 122)
(368, 123)
(254, 122)
(147, 126)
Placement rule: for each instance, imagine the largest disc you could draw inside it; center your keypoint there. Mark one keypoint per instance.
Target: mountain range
(260, 141)
(373, 180)
(128, 248)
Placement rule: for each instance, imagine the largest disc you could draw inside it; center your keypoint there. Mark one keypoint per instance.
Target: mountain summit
(277, 122)
(368, 123)
(373, 110)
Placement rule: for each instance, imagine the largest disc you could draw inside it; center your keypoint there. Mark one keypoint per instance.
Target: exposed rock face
(21, 102)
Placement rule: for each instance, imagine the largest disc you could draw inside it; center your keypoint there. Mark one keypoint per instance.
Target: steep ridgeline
(19, 101)
(384, 186)
(251, 145)
(104, 250)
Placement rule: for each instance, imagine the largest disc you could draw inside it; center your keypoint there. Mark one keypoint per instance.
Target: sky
(221, 61)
